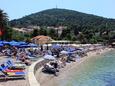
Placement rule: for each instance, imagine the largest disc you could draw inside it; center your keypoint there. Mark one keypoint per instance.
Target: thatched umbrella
(42, 40)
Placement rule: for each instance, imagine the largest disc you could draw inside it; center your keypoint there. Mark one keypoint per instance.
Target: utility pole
(56, 3)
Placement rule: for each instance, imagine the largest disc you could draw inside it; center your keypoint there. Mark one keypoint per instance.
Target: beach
(67, 71)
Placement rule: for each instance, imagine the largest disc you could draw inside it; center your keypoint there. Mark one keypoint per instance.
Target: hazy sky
(19, 8)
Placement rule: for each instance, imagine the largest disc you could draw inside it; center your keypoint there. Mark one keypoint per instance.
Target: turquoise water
(96, 71)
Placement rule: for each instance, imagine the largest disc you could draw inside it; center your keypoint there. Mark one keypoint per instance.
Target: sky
(19, 8)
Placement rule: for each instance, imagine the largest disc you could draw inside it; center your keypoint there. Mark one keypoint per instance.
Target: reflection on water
(97, 71)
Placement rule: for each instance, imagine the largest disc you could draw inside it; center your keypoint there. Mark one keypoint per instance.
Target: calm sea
(96, 71)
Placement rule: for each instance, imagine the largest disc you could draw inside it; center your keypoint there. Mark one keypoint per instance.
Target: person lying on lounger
(51, 67)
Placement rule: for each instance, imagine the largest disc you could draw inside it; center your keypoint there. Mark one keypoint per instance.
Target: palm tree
(3, 22)
(3, 18)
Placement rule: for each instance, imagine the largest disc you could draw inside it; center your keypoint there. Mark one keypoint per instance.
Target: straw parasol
(42, 40)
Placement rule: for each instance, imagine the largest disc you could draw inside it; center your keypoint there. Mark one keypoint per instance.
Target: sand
(51, 80)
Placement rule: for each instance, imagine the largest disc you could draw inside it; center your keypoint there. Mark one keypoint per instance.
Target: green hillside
(55, 17)
(86, 28)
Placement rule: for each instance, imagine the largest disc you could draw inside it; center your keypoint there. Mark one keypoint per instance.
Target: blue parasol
(1, 45)
(49, 57)
(14, 43)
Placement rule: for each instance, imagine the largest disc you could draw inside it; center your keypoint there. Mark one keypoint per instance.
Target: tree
(73, 38)
(5, 29)
(35, 32)
(65, 32)
(52, 33)
(43, 31)
(3, 22)
(8, 33)
(81, 38)
(18, 36)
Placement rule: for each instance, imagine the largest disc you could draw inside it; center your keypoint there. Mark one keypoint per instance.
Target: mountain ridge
(63, 17)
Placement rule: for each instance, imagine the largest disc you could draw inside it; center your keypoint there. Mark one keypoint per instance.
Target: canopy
(49, 57)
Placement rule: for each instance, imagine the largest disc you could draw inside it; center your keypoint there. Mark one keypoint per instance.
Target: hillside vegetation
(80, 26)
(55, 17)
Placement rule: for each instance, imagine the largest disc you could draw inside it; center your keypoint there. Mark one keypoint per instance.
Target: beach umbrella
(1, 45)
(5, 42)
(1, 42)
(56, 46)
(27, 45)
(22, 43)
(23, 46)
(17, 45)
(32, 45)
(70, 49)
(64, 52)
(14, 43)
(41, 39)
(49, 57)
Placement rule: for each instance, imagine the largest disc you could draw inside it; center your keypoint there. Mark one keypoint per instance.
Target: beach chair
(5, 69)
(11, 75)
(13, 65)
(8, 69)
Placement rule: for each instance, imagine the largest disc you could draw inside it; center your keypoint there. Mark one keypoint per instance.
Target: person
(27, 62)
(24, 59)
(55, 65)
(51, 67)
(63, 60)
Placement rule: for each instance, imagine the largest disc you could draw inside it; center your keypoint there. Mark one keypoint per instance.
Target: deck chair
(8, 75)
(12, 65)
(6, 68)
(12, 72)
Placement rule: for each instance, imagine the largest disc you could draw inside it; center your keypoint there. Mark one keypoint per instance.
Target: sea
(96, 71)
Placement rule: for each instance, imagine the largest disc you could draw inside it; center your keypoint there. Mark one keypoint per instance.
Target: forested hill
(56, 17)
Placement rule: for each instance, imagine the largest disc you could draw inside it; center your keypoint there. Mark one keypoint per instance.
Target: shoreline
(51, 80)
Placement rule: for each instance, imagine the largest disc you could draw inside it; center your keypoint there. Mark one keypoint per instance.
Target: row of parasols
(17, 44)
(66, 51)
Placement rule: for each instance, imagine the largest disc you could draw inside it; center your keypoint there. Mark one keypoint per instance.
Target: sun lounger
(6, 68)
(13, 65)
(12, 72)
(11, 75)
